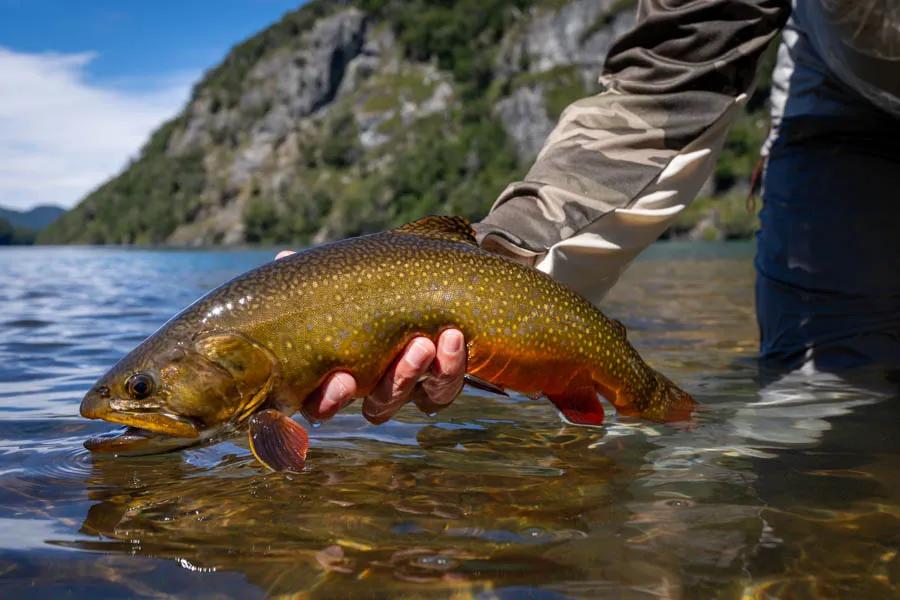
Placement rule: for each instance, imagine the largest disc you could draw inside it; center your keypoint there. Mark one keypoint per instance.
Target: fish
(247, 354)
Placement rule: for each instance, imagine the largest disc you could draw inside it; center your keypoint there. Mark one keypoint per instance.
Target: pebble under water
(785, 485)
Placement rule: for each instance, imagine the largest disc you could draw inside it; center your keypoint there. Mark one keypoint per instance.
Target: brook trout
(247, 354)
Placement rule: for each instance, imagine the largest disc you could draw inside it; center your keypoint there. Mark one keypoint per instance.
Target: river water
(784, 486)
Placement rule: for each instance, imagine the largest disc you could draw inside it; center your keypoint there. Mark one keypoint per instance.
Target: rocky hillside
(351, 116)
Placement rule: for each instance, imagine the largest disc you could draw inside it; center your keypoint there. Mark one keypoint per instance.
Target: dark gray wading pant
(828, 252)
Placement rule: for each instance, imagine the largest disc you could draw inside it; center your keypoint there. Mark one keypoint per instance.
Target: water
(783, 487)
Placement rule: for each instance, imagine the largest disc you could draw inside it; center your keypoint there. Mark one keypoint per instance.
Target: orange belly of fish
(567, 382)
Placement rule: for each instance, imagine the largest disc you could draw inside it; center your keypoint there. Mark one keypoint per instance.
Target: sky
(84, 82)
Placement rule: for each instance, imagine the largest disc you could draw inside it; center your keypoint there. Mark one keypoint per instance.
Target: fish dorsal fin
(453, 229)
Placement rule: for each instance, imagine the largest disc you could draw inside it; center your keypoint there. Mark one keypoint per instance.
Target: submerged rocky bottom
(784, 486)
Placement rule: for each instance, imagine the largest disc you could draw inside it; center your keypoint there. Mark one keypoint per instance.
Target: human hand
(443, 364)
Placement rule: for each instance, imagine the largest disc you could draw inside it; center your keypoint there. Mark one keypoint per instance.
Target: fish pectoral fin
(486, 386)
(277, 441)
(579, 406)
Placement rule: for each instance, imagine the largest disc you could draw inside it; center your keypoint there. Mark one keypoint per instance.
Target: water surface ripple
(786, 485)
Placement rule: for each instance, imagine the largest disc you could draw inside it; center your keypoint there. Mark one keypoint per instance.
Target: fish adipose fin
(277, 441)
(452, 229)
(579, 406)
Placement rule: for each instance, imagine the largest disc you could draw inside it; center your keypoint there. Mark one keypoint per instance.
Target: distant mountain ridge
(351, 116)
(35, 219)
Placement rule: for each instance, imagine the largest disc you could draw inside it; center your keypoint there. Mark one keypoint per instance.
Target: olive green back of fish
(352, 305)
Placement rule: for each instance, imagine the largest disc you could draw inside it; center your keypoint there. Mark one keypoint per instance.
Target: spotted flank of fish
(247, 354)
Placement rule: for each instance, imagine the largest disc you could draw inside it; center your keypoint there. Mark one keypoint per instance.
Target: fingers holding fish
(445, 380)
(396, 387)
(442, 367)
(336, 392)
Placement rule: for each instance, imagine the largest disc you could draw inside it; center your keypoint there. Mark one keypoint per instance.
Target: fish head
(177, 395)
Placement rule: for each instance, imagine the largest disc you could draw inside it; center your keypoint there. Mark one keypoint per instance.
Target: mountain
(21, 227)
(34, 219)
(347, 117)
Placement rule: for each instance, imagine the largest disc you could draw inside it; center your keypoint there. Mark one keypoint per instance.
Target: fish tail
(659, 400)
(668, 401)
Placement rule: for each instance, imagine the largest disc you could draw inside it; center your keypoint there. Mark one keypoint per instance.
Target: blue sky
(82, 83)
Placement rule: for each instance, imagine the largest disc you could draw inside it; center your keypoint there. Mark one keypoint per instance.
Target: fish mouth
(100, 406)
(145, 432)
(153, 423)
(135, 441)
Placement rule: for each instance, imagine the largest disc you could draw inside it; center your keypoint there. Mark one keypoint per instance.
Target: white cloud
(61, 136)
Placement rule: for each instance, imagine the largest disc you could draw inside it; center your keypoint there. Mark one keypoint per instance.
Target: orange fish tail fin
(666, 401)
(660, 400)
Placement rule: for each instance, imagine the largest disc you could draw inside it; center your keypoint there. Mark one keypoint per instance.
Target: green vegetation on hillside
(742, 147)
(225, 82)
(453, 161)
(461, 35)
(451, 165)
(720, 217)
(142, 205)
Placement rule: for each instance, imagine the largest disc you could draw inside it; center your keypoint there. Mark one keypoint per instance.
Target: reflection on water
(785, 486)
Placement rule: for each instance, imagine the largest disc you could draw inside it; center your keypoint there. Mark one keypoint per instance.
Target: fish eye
(139, 386)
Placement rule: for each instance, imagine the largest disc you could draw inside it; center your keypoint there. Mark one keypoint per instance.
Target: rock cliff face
(255, 146)
(564, 46)
(351, 116)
